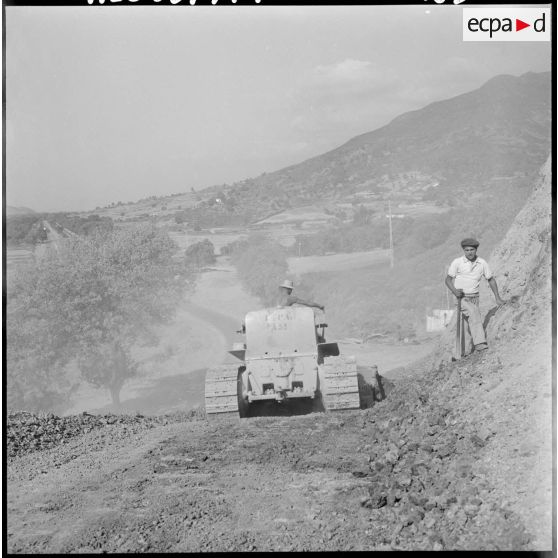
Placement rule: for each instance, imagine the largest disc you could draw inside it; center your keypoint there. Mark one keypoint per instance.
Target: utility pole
(390, 237)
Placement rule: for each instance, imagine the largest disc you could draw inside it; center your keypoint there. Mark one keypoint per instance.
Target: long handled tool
(458, 333)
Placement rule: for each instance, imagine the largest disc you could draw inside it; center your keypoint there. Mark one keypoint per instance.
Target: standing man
(463, 280)
(288, 299)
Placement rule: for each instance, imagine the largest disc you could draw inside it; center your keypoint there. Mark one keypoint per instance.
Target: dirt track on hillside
(415, 471)
(188, 487)
(306, 483)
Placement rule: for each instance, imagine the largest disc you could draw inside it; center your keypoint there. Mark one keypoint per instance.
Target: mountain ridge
(13, 210)
(501, 129)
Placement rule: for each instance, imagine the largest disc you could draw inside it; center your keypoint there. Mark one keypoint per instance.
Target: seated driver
(288, 299)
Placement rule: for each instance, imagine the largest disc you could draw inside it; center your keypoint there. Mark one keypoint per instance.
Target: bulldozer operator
(286, 298)
(463, 280)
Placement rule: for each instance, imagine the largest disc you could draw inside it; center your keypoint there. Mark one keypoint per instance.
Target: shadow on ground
(186, 391)
(170, 393)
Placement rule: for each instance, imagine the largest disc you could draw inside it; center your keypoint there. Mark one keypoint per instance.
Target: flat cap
(469, 242)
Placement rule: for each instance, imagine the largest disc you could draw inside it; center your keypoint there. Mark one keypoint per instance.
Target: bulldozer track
(339, 384)
(221, 392)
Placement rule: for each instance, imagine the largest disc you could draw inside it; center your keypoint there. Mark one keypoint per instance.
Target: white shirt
(468, 274)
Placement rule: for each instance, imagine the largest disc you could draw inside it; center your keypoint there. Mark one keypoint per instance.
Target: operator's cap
(287, 283)
(469, 242)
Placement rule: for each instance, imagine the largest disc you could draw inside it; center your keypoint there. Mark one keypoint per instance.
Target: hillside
(522, 263)
(463, 141)
(447, 154)
(512, 402)
(457, 457)
(495, 136)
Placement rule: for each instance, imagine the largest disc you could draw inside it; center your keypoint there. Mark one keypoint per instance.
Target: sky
(117, 103)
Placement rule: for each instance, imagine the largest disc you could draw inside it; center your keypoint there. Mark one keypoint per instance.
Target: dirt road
(172, 374)
(181, 488)
(415, 471)
(458, 457)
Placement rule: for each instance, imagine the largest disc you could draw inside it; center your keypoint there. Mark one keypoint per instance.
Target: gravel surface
(406, 474)
(28, 432)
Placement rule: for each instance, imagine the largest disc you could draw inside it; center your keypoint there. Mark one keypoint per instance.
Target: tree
(261, 265)
(179, 217)
(36, 375)
(200, 254)
(362, 215)
(19, 228)
(88, 303)
(109, 364)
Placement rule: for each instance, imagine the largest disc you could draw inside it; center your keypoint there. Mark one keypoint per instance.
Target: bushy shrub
(86, 303)
(200, 254)
(261, 264)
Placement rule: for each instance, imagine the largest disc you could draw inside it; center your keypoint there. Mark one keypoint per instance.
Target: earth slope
(512, 403)
(458, 456)
(498, 133)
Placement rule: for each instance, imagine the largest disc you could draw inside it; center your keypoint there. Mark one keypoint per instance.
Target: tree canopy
(261, 265)
(200, 254)
(87, 301)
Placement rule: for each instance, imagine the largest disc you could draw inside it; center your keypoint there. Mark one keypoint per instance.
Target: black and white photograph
(278, 278)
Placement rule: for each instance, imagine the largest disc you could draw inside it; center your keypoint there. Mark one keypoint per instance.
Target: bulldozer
(285, 360)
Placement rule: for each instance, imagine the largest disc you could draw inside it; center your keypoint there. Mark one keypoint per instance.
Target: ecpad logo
(493, 25)
(506, 24)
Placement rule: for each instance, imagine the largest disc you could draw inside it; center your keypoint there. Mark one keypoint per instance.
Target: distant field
(284, 227)
(218, 239)
(308, 213)
(286, 234)
(282, 234)
(337, 262)
(416, 209)
(18, 255)
(165, 206)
